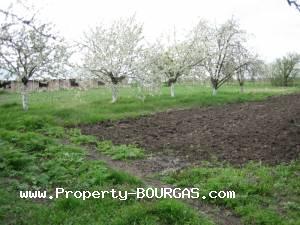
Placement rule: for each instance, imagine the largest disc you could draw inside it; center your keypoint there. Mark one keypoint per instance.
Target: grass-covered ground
(38, 152)
(72, 106)
(264, 194)
(32, 158)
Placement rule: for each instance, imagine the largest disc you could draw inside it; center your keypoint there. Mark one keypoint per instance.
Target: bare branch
(295, 3)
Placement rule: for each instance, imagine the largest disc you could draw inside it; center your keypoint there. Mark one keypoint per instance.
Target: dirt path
(219, 215)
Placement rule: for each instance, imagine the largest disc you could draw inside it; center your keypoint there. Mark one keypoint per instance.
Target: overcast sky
(274, 25)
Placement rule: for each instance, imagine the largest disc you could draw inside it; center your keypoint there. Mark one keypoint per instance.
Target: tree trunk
(172, 90)
(214, 84)
(24, 94)
(285, 81)
(214, 91)
(140, 93)
(242, 88)
(114, 91)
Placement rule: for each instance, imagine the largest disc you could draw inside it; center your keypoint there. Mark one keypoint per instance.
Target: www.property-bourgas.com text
(138, 193)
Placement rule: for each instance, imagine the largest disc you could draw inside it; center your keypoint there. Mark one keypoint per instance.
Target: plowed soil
(267, 131)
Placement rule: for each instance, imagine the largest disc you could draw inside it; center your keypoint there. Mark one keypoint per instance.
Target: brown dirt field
(267, 131)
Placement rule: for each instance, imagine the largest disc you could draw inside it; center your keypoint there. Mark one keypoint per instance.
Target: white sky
(274, 25)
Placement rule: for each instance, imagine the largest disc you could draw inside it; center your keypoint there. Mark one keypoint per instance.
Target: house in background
(47, 83)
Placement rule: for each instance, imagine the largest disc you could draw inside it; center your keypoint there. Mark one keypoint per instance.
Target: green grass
(39, 152)
(23, 166)
(95, 211)
(120, 152)
(117, 152)
(264, 194)
(67, 107)
(78, 138)
(165, 212)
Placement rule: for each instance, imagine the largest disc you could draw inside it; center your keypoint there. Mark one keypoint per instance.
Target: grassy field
(39, 152)
(266, 195)
(73, 107)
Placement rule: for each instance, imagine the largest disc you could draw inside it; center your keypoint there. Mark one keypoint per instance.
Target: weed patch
(120, 152)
